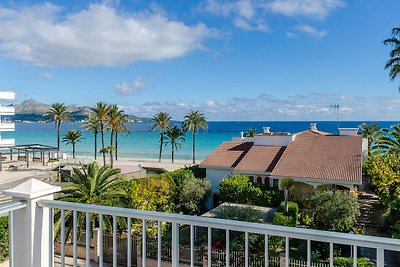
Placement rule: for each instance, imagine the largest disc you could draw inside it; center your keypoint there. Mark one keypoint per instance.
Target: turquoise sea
(143, 143)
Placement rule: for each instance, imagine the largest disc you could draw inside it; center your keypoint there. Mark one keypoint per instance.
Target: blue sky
(232, 60)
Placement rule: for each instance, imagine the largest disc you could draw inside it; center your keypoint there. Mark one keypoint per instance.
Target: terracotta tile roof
(260, 159)
(228, 154)
(322, 156)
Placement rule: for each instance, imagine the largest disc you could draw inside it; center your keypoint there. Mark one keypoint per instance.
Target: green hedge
(293, 210)
(348, 262)
(285, 220)
(3, 238)
(239, 189)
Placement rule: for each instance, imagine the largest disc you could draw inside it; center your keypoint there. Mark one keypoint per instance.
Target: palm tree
(193, 121)
(394, 62)
(91, 185)
(175, 137)
(109, 149)
(101, 112)
(390, 140)
(287, 184)
(371, 132)
(116, 122)
(57, 113)
(72, 137)
(250, 133)
(161, 120)
(93, 124)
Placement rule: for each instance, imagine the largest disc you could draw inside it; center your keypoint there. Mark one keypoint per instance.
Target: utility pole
(336, 106)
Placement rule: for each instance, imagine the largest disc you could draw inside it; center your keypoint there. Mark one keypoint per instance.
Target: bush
(239, 189)
(333, 210)
(4, 239)
(285, 220)
(246, 214)
(348, 262)
(293, 209)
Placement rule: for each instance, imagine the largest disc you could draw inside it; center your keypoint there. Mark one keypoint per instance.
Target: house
(314, 159)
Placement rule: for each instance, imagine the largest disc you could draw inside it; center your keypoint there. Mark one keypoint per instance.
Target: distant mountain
(32, 110)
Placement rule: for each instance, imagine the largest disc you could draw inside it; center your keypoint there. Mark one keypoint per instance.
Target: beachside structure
(6, 126)
(314, 159)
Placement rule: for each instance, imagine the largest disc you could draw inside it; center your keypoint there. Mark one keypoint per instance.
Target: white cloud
(46, 76)
(97, 35)
(130, 88)
(310, 30)
(319, 9)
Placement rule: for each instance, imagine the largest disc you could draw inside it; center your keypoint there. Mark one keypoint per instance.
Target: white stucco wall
(215, 176)
(273, 140)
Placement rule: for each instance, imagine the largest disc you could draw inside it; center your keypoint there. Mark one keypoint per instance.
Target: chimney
(266, 130)
(241, 135)
(348, 131)
(313, 126)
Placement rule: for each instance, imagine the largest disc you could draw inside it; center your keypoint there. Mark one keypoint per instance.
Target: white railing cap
(32, 189)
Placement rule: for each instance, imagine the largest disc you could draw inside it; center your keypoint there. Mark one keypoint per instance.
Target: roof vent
(313, 126)
(266, 130)
(348, 131)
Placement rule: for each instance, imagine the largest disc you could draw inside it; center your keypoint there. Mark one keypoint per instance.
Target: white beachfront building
(312, 158)
(6, 126)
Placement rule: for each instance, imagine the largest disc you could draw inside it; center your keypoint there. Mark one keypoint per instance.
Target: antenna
(336, 106)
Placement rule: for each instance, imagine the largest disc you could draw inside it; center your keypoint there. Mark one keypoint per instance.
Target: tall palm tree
(117, 123)
(57, 114)
(394, 62)
(109, 149)
(175, 138)
(72, 137)
(390, 140)
(93, 124)
(161, 120)
(101, 112)
(371, 132)
(193, 121)
(94, 184)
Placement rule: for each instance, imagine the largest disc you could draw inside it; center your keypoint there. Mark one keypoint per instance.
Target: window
(251, 178)
(275, 183)
(259, 180)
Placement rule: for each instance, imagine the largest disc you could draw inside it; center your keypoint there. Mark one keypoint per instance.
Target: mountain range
(33, 110)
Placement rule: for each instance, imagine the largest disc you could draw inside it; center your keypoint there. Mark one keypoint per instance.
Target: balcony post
(31, 225)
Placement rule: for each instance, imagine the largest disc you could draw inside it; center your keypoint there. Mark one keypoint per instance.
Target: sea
(144, 144)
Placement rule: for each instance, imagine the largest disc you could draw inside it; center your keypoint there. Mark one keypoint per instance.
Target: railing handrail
(257, 228)
(11, 206)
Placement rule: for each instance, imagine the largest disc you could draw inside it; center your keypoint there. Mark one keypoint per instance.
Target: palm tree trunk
(116, 146)
(161, 145)
(194, 146)
(58, 139)
(73, 151)
(102, 143)
(95, 146)
(286, 200)
(111, 145)
(172, 156)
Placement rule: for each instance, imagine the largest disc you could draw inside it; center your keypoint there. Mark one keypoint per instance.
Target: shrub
(192, 195)
(293, 210)
(285, 220)
(246, 214)
(333, 210)
(239, 189)
(348, 262)
(3, 238)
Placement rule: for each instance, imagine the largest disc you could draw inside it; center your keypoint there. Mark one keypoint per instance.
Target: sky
(232, 60)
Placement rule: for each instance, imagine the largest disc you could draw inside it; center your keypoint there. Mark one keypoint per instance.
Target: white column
(31, 224)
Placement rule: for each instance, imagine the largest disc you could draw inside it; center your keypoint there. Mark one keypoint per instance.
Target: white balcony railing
(31, 234)
(7, 126)
(7, 142)
(7, 110)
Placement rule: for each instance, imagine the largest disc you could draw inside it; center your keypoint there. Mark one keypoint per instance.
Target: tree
(175, 138)
(93, 124)
(96, 185)
(394, 62)
(333, 210)
(192, 194)
(57, 114)
(116, 122)
(371, 132)
(390, 140)
(120, 127)
(109, 150)
(101, 112)
(161, 120)
(193, 121)
(72, 137)
(287, 184)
